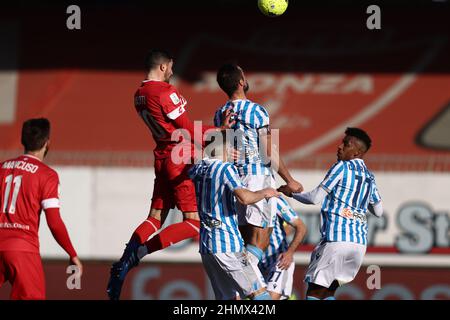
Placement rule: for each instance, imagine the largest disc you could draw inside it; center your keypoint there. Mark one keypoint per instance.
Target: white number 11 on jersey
(9, 181)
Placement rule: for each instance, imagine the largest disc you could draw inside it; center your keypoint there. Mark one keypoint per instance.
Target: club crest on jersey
(174, 98)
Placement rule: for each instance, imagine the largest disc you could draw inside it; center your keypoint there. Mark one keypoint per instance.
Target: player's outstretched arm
(287, 257)
(315, 196)
(247, 197)
(59, 232)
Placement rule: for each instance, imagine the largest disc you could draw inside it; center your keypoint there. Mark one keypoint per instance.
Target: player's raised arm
(273, 157)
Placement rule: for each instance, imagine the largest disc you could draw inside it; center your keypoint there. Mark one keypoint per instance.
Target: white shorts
(230, 273)
(279, 281)
(262, 213)
(335, 261)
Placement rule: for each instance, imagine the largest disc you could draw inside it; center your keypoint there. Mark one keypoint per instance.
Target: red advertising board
(178, 281)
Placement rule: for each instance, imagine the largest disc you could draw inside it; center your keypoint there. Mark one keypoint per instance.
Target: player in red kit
(28, 186)
(163, 110)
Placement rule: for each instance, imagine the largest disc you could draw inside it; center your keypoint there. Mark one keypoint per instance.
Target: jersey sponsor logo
(349, 214)
(174, 98)
(6, 225)
(22, 165)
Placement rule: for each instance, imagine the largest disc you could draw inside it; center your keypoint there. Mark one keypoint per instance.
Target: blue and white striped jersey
(250, 118)
(215, 182)
(350, 187)
(278, 242)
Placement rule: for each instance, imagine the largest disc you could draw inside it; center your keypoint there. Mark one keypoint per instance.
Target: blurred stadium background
(317, 69)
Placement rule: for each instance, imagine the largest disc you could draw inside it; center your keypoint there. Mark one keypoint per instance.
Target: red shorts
(173, 187)
(25, 273)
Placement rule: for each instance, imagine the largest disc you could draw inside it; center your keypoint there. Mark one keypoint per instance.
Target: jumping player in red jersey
(163, 110)
(28, 186)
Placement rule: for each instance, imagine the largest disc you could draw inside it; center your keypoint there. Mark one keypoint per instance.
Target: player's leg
(185, 199)
(321, 271)
(279, 281)
(217, 277)
(258, 218)
(26, 275)
(332, 264)
(348, 258)
(232, 273)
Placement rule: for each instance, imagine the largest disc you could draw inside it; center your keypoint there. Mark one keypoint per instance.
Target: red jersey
(27, 187)
(159, 104)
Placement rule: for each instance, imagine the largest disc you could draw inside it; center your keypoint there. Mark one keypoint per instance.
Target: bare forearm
(247, 197)
(283, 170)
(300, 232)
(273, 157)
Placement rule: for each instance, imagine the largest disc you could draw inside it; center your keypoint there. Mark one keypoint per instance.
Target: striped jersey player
(257, 158)
(277, 264)
(215, 181)
(251, 117)
(347, 193)
(350, 188)
(224, 256)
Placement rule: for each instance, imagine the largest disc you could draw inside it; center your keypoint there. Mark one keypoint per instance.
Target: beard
(246, 87)
(167, 77)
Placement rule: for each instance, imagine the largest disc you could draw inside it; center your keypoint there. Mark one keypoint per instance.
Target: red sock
(146, 229)
(172, 234)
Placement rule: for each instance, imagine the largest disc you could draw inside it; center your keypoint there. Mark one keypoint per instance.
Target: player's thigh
(280, 281)
(182, 188)
(223, 288)
(349, 258)
(246, 276)
(26, 275)
(322, 266)
(262, 213)
(332, 261)
(237, 274)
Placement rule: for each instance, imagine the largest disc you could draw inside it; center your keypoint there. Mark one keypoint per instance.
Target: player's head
(161, 62)
(231, 78)
(36, 135)
(354, 145)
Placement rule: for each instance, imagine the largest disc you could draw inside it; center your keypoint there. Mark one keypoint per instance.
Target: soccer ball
(273, 8)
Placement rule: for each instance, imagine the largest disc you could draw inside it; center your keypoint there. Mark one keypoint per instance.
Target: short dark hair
(155, 57)
(361, 135)
(35, 133)
(228, 78)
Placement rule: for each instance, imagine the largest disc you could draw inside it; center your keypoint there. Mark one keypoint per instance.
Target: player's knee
(155, 214)
(191, 215)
